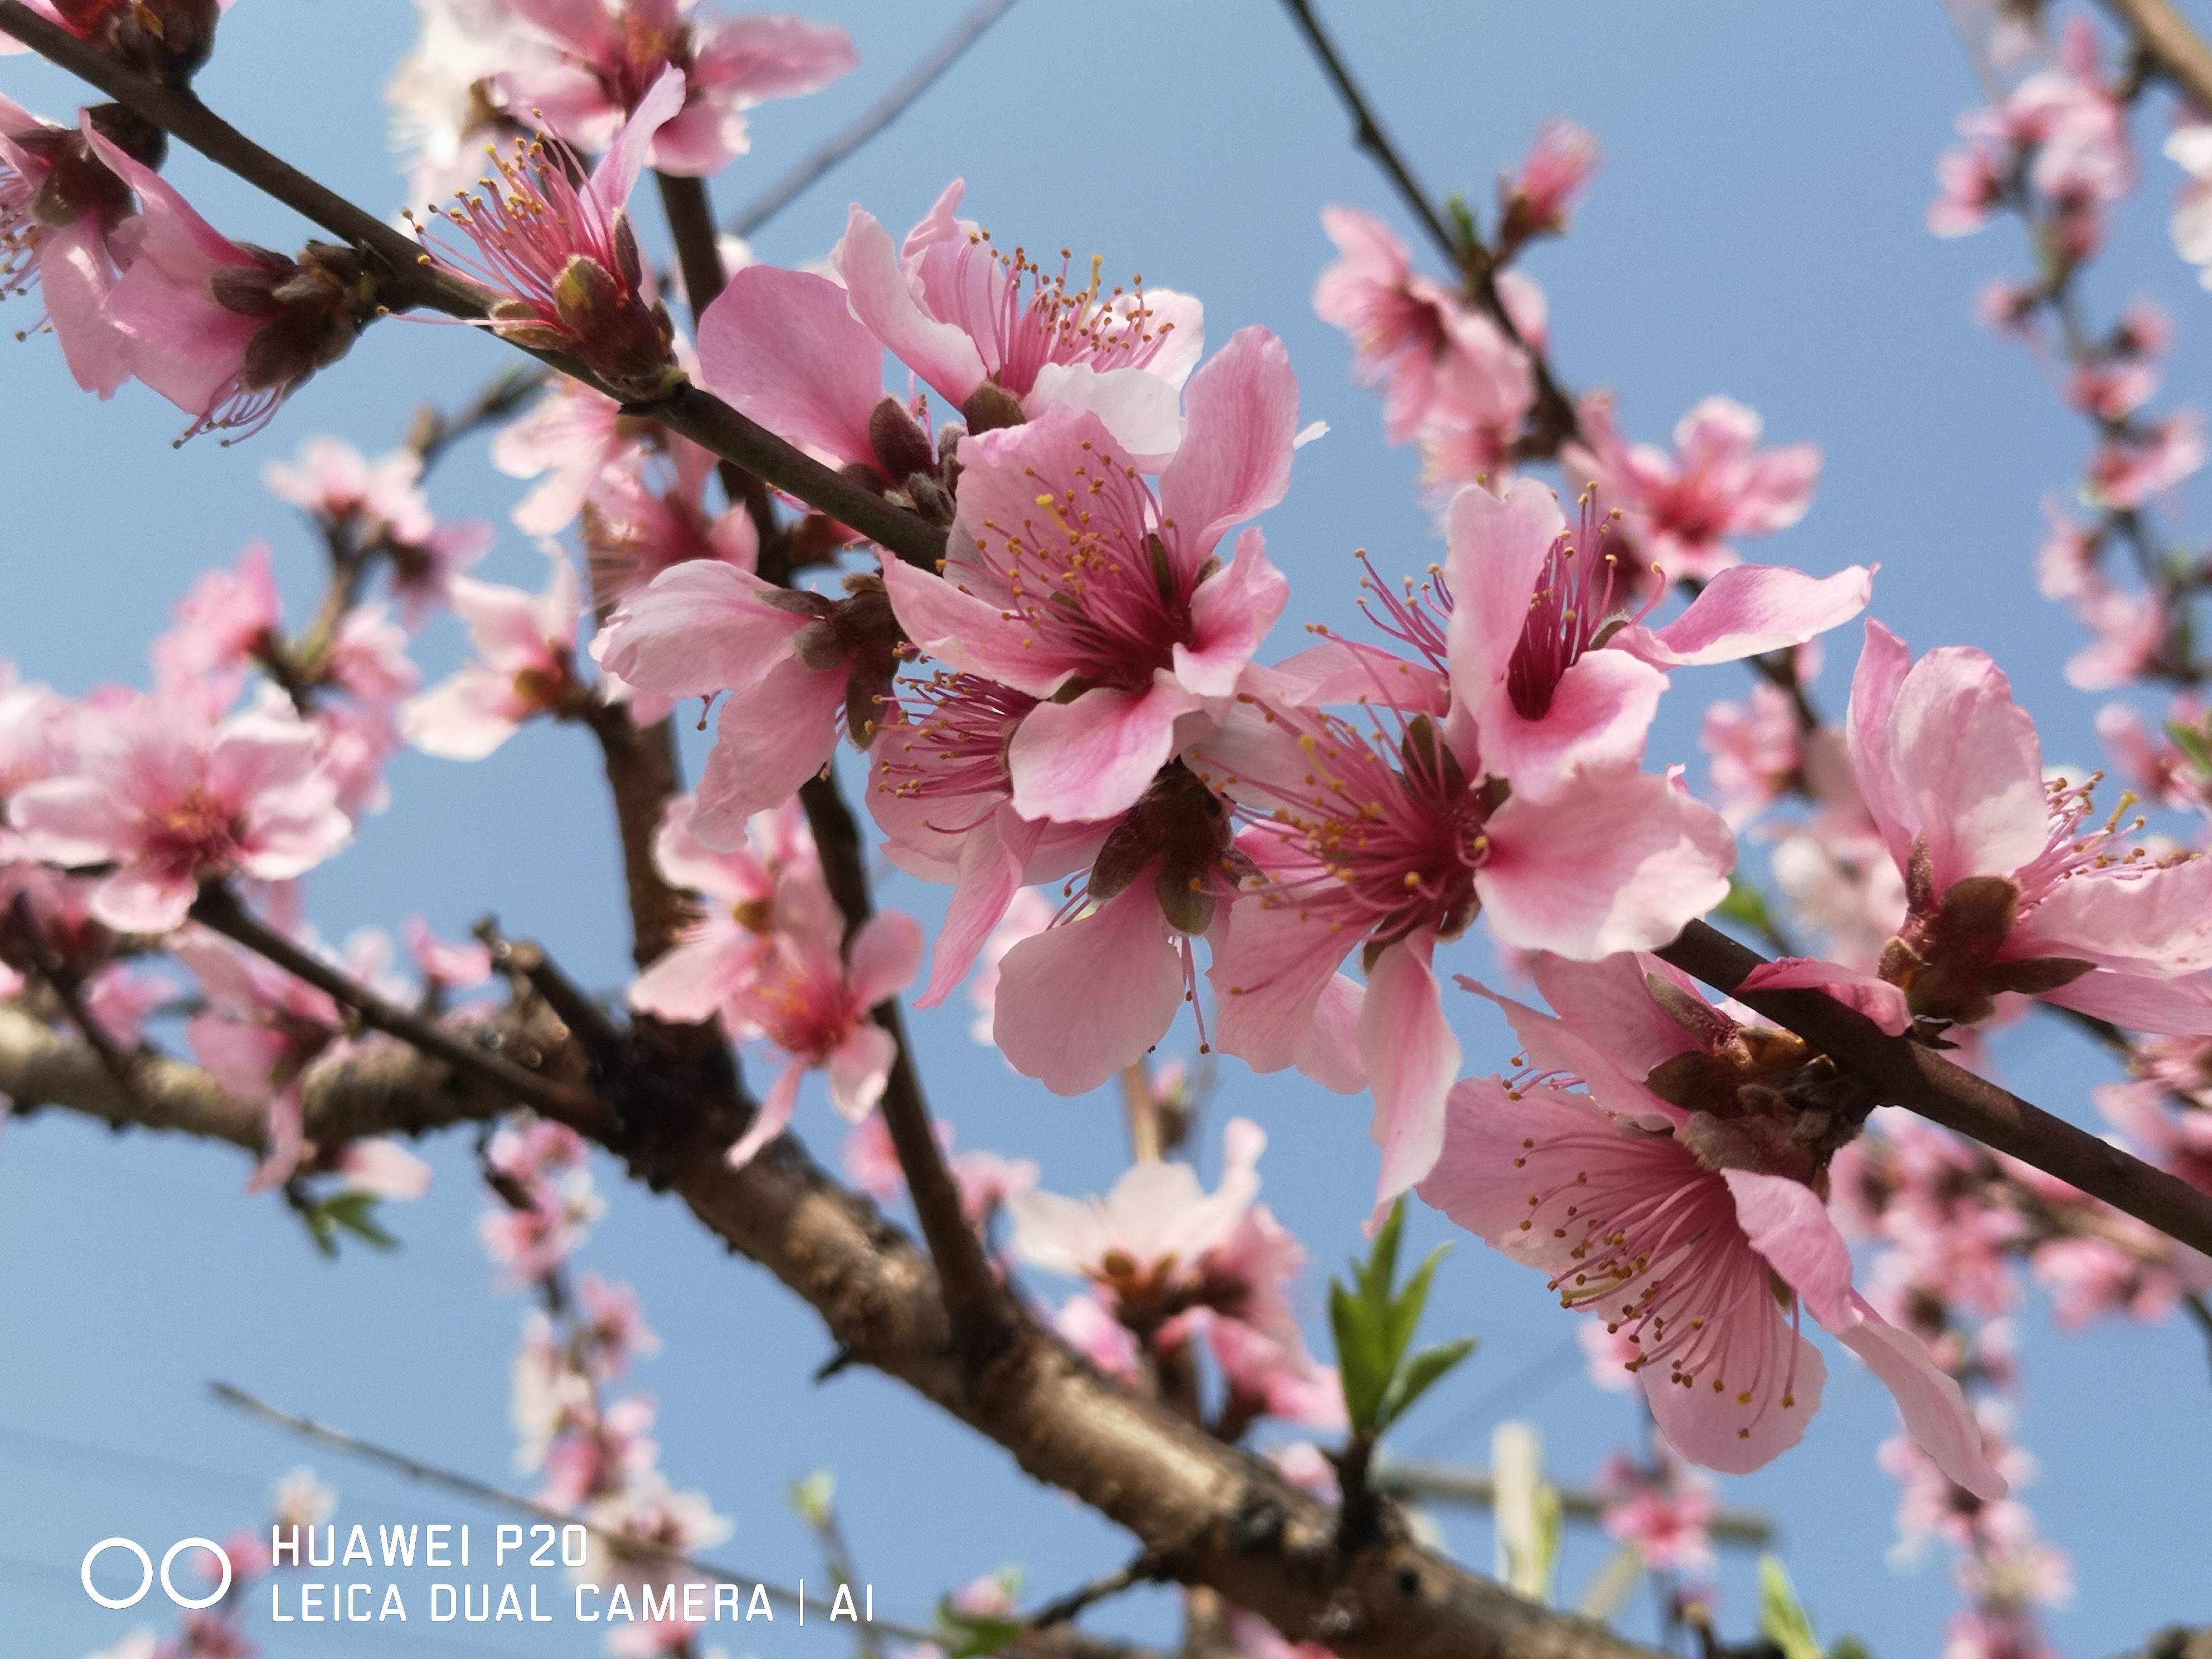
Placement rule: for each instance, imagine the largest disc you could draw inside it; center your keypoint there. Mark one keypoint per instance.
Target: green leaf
(975, 1635)
(810, 1498)
(1421, 1370)
(1381, 1265)
(318, 1222)
(1847, 1647)
(1782, 1617)
(1360, 1360)
(355, 1211)
(1403, 1314)
(2195, 744)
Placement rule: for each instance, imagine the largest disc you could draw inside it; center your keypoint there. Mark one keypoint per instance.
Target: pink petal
(1411, 1057)
(766, 55)
(687, 984)
(1778, 487)
(1269, 972)
(1230, 612)
(1748, 609)
(75, 277)
(1093, 758)
(1884, 661)
(885, 953)
(1081, 1000)
(1787, 1223)
(616, 175)
(2168, 1007)
(964, 631)
(1598, 717)
(137, 900)
(1968, 767)
(1235, 461)
(1616, 861)
(1553, 1044)
(778, 732)
(1495, 553)
(938, 352)
(861, 1066)
(1138, 406)
(71, 820)
(1877, 999)
(783, 348)
(464, 718)
(699, 626)
(1328, 1050)
(2157, 920)
(1611, 996)
(1723, 1432)
(775, 1112)
(1338, 671)
(1935, 1413)
(992, 856)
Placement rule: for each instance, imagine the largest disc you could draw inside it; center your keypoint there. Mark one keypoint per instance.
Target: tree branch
(217, 909)
(1368, 133)
(895, 102)
(1916, 1077)
(1209, 1513)
(407, 279)
(2164, 36)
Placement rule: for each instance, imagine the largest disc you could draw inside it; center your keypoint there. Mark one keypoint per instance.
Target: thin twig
(435, 431)
(1368, 133)
(407, 279)
(1912, 1076)
(1144, 1569)
(576, 1007)
(68, 987)
(690, 217)
(219, 909)
(1143, 1113)
(431, 1474)
(897, 99)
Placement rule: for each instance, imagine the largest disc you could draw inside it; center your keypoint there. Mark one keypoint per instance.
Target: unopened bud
(901, 445)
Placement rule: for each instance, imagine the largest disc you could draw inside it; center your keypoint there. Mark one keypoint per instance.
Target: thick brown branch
(2164, 36)
(218, 909)
(1912, 1076)
(1209, 1513)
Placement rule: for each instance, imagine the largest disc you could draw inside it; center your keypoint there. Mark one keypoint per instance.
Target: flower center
(194, 834)
(1571, 607)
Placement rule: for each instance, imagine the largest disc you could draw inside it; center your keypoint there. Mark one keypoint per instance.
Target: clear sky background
(1756, 231)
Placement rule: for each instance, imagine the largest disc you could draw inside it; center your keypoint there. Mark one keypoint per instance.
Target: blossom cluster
(1070, 719)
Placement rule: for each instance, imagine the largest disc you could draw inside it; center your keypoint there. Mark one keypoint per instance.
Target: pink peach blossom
(60, 207)
(524, 666)
(1545, 663)
(555, 253)
(799, 667)
(1629, 1220)
(172, 800)
(2004, 890)
(1534, 200)
(770, 884)
(1390, 837)
(1411, 333)
(815, 1008)
(1000, 337)
(1064, 569)
(1682, 509)
(611, 53)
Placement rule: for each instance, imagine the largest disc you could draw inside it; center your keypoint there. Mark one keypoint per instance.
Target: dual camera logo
(146, 1572)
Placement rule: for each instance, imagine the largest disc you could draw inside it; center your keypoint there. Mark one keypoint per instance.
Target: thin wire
(430, 1474)
(818, 161)
(1498, 1395)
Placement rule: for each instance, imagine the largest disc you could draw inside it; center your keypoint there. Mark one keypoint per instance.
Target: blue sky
(1756, 231)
